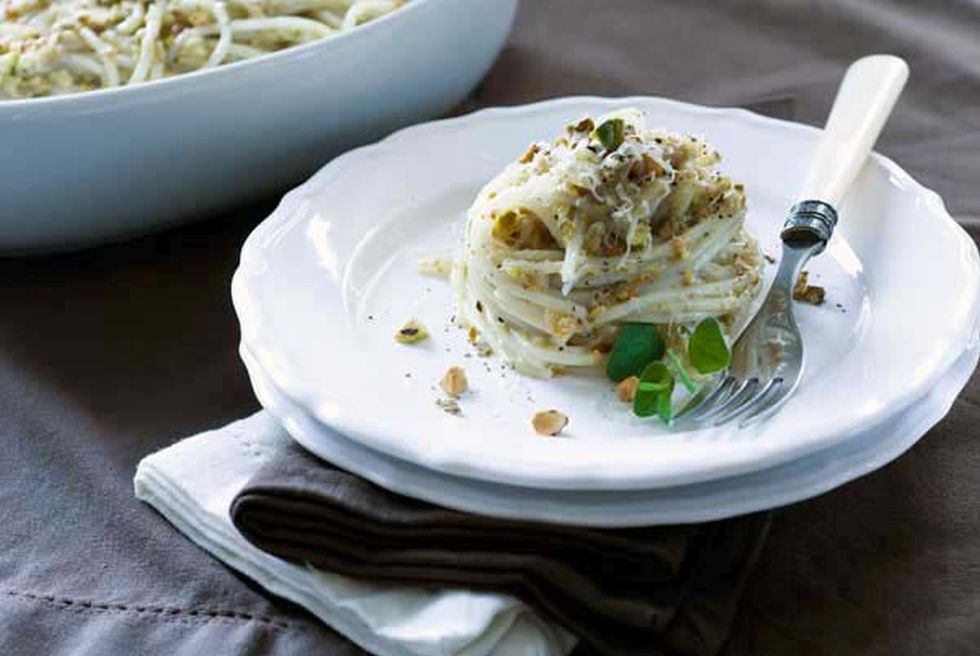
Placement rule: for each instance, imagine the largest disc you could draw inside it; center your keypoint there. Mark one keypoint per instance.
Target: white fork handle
(864, 100)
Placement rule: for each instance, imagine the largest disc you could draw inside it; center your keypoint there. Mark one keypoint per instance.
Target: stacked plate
(326, 281)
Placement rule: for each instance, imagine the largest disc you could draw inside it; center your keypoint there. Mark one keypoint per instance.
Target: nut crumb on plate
(549, 422)
(440, 267)
(626, 389)
(803, 291)
(449, 406)
(411, 333)
(454, 382)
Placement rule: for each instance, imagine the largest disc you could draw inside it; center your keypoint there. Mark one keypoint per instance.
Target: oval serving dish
(101, 165)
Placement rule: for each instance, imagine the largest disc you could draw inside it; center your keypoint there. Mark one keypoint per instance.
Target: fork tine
(744, 390)
(750, 404)
(705, 399)
(767, 406)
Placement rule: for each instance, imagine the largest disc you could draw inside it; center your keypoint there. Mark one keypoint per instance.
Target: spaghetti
(52, 47)
(607, 224)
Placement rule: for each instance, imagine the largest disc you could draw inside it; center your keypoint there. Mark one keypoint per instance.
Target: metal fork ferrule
(810, 221)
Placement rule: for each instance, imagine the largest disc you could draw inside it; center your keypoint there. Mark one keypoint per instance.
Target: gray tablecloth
(112, 353)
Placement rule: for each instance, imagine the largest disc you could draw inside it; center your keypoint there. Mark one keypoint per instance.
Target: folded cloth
(192, 484)
(660, 590)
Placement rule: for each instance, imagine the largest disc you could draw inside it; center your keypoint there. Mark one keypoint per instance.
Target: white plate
(327, 279)
(800, 479)
(91, 167)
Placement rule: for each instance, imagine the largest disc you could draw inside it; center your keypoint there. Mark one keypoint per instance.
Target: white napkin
(192, 484)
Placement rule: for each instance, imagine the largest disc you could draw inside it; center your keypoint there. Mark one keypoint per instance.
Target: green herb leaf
(636, 346)
(654, 392)
(707, 349)
(645, 405)
(610, 134)
(680, 371)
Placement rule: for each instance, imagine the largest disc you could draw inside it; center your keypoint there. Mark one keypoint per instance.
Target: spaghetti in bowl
(51, 47)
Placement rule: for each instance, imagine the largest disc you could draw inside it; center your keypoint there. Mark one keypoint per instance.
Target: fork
(768, 359)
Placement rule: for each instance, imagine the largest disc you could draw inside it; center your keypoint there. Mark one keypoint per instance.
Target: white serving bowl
(92, 167)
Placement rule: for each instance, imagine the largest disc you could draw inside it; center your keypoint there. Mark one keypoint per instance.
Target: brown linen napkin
(645, 591)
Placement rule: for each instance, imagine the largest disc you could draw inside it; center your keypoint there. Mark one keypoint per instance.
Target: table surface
(109, 354)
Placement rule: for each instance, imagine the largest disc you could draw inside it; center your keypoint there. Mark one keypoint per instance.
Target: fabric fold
(192, 484)
(624, 592)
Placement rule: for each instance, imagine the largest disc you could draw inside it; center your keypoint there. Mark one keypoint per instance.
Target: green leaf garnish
(680, 371)
(707, 349)
(636, 346)
(654, 392)
(665, 408)
(610, 134)
(645, 405)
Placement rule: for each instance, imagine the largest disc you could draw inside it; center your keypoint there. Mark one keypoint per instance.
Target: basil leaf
(636, 346)
(610, 134)
(707, 349)
(654, 392)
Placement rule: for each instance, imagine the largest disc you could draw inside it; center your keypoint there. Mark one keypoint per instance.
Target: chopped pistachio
(549, 422)
(529, 154)
(585, 125)
(449, 406)
(626, 389)
(507, 227)
(439, 267)
(411, 333)
(454, 382)
(803, 291)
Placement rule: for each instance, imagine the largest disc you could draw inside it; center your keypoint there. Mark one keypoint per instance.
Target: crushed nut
(411, 333)
(626, 389)
(529, 155)
(679, 249)
(454, 382)
(449, 406)
(438, 267)
(585, 125)
(549, 422)
(803, 291)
